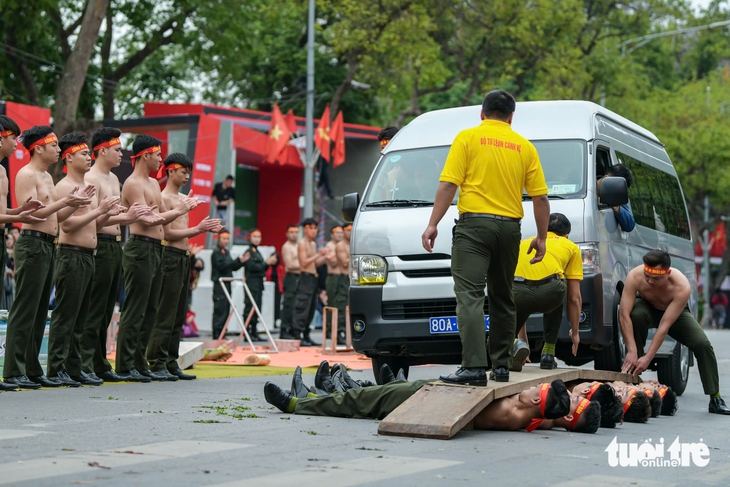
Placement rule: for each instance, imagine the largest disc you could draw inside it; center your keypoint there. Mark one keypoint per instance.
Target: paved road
(152, 434)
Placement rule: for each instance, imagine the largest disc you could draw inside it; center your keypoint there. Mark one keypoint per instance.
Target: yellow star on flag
(276, 132)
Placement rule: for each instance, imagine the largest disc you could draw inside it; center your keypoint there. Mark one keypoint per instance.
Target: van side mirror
(614, 191)
(350, 203)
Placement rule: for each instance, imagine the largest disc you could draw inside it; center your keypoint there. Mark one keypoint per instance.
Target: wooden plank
(190, 352)
(608, 376)
(530, 376)
(436, 411)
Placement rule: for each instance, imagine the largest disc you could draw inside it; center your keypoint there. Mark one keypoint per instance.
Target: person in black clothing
(223, 195)
(255, 267)
(222, 265)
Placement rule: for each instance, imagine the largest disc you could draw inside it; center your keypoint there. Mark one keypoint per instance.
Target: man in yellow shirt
(491, 165)
(542, 287)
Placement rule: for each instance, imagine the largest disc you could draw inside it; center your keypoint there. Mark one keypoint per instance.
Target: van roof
(534, 120)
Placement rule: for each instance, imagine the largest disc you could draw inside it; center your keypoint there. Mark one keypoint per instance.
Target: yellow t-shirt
(492, 164)
(562, 257)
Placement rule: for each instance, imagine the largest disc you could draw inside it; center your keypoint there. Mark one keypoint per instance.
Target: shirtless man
(107, 153)
(163, 349)
(528, 409)
(342, 251)
(8, 132)
(34, 254)
(290, 257)
(656, 296)
(142, 261)
(306, 300)
(74, 268)
(334, 273)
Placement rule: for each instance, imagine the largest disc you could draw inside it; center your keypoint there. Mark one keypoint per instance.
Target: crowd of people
(71, 240)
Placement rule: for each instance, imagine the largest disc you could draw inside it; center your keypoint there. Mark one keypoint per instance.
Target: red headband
(655, 271)
(49, 139)
(582, 406)
(593, 389)
(662, 391)
(73, 150)
(384, 142)
(6, 133)
(544, 388)
(631, 400)
(163, 168)
(149, 150)
(106, 145)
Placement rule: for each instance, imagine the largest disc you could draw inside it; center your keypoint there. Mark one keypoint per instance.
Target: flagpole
(309, 163)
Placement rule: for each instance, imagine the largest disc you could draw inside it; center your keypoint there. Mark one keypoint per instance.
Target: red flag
(279, 136)
(291, 122)
(322, 135)
(337, 134)
(719, 243)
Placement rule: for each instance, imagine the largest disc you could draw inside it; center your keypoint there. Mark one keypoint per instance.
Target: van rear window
(412, 175)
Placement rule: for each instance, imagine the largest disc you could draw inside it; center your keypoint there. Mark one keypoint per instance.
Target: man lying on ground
(636, 404)
(662, 398)
(605, 395)
(545, 401)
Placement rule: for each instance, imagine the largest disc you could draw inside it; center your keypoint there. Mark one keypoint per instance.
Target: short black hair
(309, 221)
(9, 124)
(387, 133)
(669, 403)
(640, 409)
(589, 420)
(1, 127)
(658, 258)
(33, 134)
(70, 140)
(293, 225)
(557, 403)
(655, 401)
(559, 224)
(143, 142)
(498, 104)
(611, 407)
(335, 228)
(102, 135)
(229, 178)
(178, 158)
(621, 171)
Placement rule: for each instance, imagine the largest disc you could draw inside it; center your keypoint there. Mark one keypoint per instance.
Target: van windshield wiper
(401, 203)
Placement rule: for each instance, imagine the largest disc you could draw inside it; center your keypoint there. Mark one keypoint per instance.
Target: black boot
(307, 341)
(718, 406)
(471, 376)
(323, 380)
(386, 375)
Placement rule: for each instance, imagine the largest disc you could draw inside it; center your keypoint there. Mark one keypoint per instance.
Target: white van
(400, 295)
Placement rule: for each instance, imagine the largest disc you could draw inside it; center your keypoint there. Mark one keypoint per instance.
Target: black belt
(41, 235)
(464, 216)
(177, 251)
(76, 248)
(106, 236)
(539, 282)
(144, 238)
(307, 274)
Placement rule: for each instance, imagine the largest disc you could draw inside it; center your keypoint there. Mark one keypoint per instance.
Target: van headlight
(368, 270)
(591, 259)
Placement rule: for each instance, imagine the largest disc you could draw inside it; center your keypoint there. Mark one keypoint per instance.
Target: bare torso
(343, 256)
(333, 267)
(507, 414)
(106, 185)
(659, 297)
(150, 189)
(84, 236)
(170, 200)
(45, 192)
(307, 248)
(3, 191)
(290, 258)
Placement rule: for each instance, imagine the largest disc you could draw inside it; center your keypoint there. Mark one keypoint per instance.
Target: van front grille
(421, 309)
(416, 273)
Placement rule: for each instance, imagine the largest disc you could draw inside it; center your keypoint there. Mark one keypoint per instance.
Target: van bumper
(396, 337)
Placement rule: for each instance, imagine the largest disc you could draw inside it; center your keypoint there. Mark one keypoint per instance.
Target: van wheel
(612, 356)
(673, 371)
(395, 364)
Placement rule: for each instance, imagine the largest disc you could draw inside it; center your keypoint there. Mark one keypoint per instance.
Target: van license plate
(448, 325)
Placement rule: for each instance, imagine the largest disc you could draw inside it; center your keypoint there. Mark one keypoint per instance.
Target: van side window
(603, 160)
(656, 198)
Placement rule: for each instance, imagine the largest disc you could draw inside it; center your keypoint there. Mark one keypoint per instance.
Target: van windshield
(410, 177)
